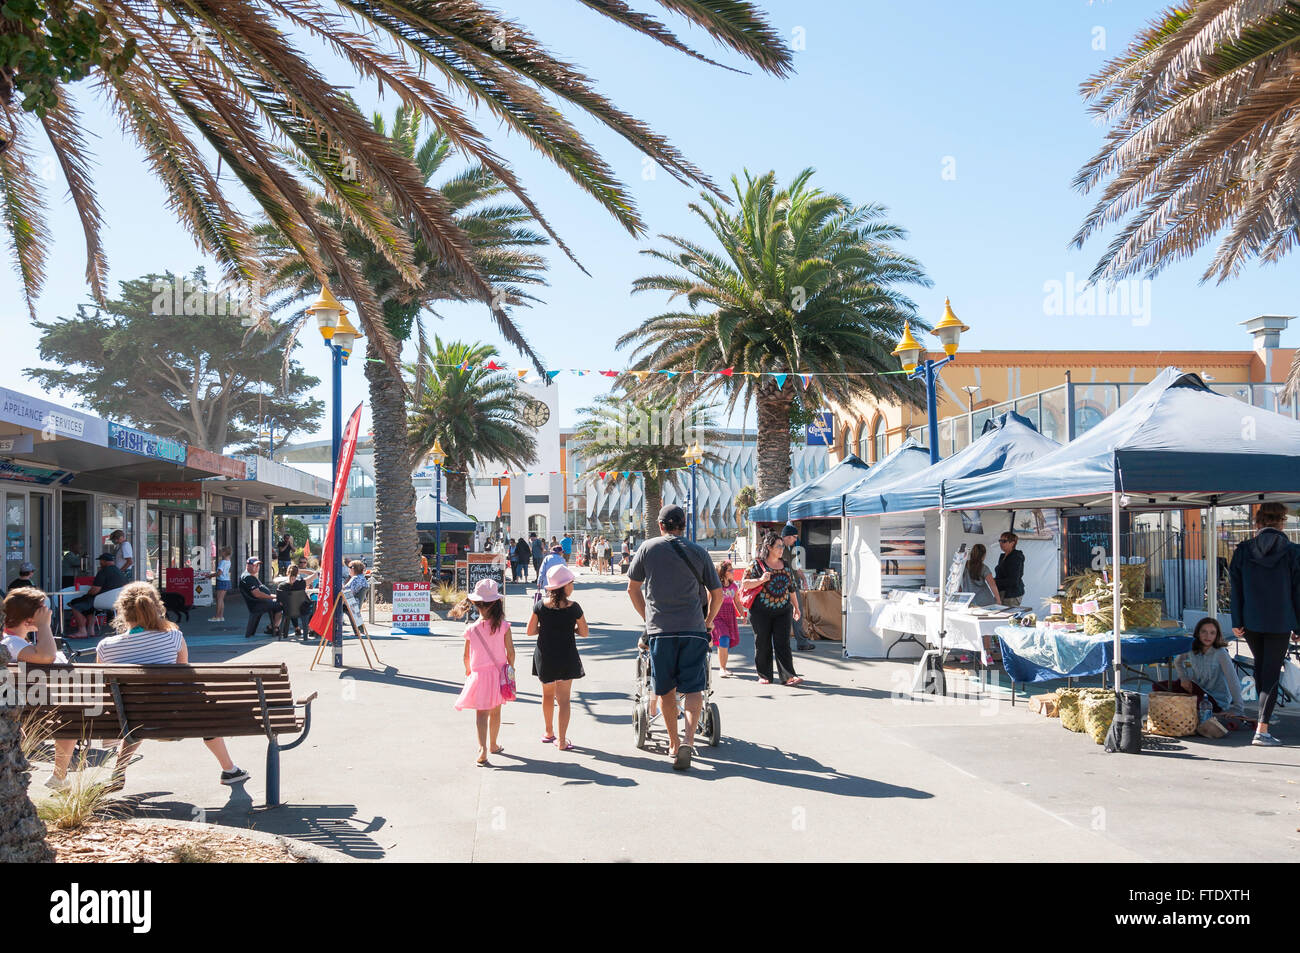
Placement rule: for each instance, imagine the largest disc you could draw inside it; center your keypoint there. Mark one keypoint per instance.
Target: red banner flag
(322, 620)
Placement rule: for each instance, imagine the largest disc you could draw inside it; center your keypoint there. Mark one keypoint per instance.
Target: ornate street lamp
(909, 353)
(694, 456)
(438, 455)
(339, 336)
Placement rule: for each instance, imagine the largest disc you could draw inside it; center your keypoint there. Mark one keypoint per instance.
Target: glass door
(15, 535)
(40, 551)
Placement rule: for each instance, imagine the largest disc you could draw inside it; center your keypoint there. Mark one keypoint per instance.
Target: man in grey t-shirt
(674, 587)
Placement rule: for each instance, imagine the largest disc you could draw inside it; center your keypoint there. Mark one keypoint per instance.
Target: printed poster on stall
(411, 607)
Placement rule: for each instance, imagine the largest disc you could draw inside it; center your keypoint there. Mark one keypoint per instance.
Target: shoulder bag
(507, 671)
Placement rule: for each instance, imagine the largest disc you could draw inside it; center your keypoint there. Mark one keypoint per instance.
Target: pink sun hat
(559, 577)
(485, 591)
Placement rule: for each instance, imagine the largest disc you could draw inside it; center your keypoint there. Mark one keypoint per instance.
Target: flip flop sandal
(567, 746)
(765, 681)
(498, 749)
(548, 739)
(794, 680)
(683, 759)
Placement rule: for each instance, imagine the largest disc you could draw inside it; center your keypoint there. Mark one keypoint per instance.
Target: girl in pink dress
(726, 625)
(488, 648)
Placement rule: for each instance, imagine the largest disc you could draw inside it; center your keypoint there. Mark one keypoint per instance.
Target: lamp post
(268, 423)
(339, 336)
(909, 352)
(694, 454)
(439, 455)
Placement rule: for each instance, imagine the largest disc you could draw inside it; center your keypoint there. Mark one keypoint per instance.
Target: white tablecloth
(964, 631)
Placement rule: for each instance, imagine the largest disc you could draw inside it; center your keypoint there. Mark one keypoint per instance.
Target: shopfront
(259, 530)
(224, 517)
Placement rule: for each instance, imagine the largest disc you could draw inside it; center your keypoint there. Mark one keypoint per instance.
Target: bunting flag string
(524, 374)
(516, 474)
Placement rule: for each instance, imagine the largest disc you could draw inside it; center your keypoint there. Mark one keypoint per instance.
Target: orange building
(979, 384)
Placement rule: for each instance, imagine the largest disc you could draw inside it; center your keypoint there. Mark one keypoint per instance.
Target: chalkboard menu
(480, 566)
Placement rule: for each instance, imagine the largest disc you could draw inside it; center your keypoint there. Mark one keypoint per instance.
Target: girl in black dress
(556, 621)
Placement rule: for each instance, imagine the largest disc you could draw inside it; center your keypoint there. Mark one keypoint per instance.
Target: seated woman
(297, 583)
(354, 588)
(1208, 670)
(147, 637)
(25, 610)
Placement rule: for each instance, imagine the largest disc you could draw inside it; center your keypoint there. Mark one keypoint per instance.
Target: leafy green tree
(297, 529)
(648, 439)
(804, 281)
(746, 499)
(473, 414)
(200, 376)
(504, 247)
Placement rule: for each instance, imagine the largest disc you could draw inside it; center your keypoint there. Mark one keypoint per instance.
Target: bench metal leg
(272, 775)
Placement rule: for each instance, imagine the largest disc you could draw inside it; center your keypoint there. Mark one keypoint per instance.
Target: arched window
(878, 439)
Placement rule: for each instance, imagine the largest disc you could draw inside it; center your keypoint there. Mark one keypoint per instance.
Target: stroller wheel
(712, 727)
(640, 725)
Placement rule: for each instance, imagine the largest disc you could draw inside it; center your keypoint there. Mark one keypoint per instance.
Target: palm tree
(1203, 110)
(239, 78)
(647, 440)
(504, 247)
(804, 281)
(473, 414)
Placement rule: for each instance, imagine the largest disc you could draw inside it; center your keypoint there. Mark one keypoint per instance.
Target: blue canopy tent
(452, 521)
(907, 460)
(1175, 444)
(777, 509)
(1008, 441)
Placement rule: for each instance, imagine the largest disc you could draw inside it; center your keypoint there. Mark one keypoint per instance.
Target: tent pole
(844, 577)
(943, 578)
(1211, 560)
(1116, 587)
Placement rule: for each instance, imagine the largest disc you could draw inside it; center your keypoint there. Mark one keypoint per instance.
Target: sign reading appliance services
(51, 420)
(145, 444)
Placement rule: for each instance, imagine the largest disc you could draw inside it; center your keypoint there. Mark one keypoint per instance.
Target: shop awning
(452, 520)
(907, 460)
(777, 509)
(1175, 444)
(1008, 441)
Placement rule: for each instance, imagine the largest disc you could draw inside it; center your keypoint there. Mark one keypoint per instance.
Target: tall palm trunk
(457, 489)
(22, 835)
(397, 544)
(654, 497)
(773, 445)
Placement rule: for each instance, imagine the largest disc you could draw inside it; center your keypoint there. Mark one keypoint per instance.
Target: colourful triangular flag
(493, 366)
(669, 373)
(602, 474)
(641, 375)
(550, 375)
(727, 371)
(780, 380)
(609, 373)
(805, 378)
(521, 373)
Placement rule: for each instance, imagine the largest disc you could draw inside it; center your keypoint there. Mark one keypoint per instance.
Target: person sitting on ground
(259, 599)
(145, 636)
(1207, 669)
(25, 610)
(108, 579)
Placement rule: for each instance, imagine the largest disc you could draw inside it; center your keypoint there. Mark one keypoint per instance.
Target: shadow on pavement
(332, 826)
(570, 772)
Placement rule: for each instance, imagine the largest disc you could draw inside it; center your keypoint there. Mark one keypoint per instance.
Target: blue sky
(887, 98)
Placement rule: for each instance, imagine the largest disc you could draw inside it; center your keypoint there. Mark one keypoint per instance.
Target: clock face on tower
(535, 414)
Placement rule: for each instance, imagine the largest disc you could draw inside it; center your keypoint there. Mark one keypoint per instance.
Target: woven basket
(1171, 714)
(1145, 614)
(1067, 705)
(1098, 713)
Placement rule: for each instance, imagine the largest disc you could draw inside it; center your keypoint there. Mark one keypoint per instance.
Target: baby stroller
(710, 726)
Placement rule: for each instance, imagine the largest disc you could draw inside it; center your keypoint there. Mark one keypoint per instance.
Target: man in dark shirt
(108, 579)
(25, 572)
(1010, 572)
(259, 599)
(538, 553)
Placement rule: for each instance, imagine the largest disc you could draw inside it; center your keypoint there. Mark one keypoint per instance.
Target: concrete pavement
(839, 768)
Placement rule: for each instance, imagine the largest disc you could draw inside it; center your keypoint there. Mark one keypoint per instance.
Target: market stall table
(1039, 653)
(919, 623)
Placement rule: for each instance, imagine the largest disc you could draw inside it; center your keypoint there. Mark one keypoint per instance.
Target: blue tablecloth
(1040, 655)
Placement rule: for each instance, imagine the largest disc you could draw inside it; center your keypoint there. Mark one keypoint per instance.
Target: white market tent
(1175, 445)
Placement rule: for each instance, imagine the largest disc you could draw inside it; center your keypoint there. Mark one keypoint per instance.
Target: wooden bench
(143, 702)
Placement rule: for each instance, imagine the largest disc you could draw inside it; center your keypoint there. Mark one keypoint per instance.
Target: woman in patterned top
(774, 610)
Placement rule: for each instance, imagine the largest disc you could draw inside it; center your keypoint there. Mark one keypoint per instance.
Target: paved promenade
(835, 769)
